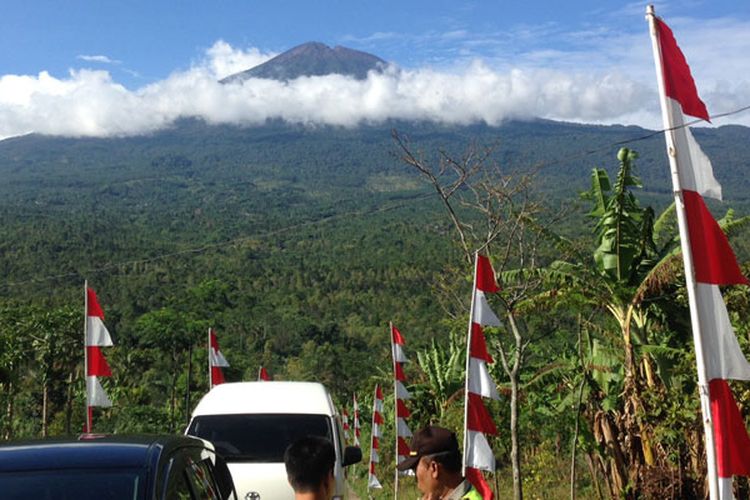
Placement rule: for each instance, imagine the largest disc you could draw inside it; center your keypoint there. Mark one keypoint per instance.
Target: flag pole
(466, 373)
(395, 409)
(687, 256)
(85, 351)
(210, 382)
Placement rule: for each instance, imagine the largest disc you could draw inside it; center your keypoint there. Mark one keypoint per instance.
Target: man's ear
(434, 469)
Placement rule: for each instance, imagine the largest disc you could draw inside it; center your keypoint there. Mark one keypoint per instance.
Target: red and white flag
(96, 337)
(263, 375)
(377, 421)
(403, 433)
(709, 262)
(345, 424)
(356, 424)
(478, 423)
(216, 360)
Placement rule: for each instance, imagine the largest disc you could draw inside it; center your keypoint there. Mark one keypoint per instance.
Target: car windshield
(257, 437)
(66, 484)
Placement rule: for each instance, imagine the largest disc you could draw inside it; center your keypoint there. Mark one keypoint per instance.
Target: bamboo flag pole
(208, 344)
(395, 410)
(85, 352)
(668, 124)
(466, 372)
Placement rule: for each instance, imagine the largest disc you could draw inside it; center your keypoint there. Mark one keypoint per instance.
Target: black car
(114, 467)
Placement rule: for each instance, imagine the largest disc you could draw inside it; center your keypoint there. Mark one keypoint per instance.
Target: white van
(252, 423)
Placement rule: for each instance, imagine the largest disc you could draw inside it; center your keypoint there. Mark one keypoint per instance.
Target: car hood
(265, 479)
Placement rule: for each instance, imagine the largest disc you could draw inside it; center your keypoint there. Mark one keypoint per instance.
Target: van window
(258, 437)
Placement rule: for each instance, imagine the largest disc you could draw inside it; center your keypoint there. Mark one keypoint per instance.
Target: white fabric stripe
(218, 359)
(483, 313)
(378, 406)
(480, 381)
(373, 482)
(402, 429)
(401, 392)
(723, 357)
(696, 172)
(376, 430)
(398, 354)
(478, 452)
(95, 395)
(374, 458)
(725, 488)
(96, 332)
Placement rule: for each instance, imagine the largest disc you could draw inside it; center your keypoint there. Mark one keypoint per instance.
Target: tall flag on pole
(357, 425)
(263, 375)
(709, 262)
(377, 421)
(216, 361)
(478, 423)
(400, 394)
(96, 336)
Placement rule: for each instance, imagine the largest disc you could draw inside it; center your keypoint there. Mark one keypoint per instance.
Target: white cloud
(98, 59)
(604, 77)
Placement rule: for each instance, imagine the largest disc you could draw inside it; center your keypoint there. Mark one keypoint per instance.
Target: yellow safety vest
(472, 494)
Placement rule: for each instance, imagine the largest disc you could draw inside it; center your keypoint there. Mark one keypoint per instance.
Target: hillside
(324, 214)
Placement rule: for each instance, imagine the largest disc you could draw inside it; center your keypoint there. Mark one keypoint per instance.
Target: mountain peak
(313, 59)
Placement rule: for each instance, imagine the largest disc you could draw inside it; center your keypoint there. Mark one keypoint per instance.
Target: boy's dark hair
(308, 463)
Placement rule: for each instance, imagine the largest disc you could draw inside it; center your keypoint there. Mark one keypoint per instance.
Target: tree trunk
(514, 449)
(69, 404)
(173, 396)
(513, 375)
(44, 408)
(8, 434)
(594, 476)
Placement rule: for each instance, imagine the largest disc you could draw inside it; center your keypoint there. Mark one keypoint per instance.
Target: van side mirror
(352, 455)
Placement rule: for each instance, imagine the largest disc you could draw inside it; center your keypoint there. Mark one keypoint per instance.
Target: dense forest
(299, 244)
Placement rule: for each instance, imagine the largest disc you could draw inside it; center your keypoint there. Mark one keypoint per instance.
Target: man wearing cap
(436, 462)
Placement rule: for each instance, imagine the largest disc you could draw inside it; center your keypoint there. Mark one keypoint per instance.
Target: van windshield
(257, 437)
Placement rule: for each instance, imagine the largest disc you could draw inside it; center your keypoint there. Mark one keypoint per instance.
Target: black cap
(429, 441)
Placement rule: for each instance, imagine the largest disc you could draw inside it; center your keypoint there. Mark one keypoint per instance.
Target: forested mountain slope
(298, 244)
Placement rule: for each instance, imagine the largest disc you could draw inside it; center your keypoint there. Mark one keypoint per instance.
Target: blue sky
(478, 60)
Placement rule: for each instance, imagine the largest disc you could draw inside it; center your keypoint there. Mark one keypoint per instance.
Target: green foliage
(299, 245)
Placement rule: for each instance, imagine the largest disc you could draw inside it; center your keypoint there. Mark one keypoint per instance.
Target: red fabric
(399, 372)
(372, 468)
(263, 375)
(403, 448)
(377, 418)
(401, 410)
(478, 418)
(217, 376)
(730, 434)
(678, 82)
(375, 443)
(97, 363)
(478, 344)
(93, 304)
(476, 478)
(378, 392)
(713, 258)
(396, 336)
(214, 343)
(486, 275)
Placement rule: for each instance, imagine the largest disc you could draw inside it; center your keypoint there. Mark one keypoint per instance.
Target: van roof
(266, 397)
